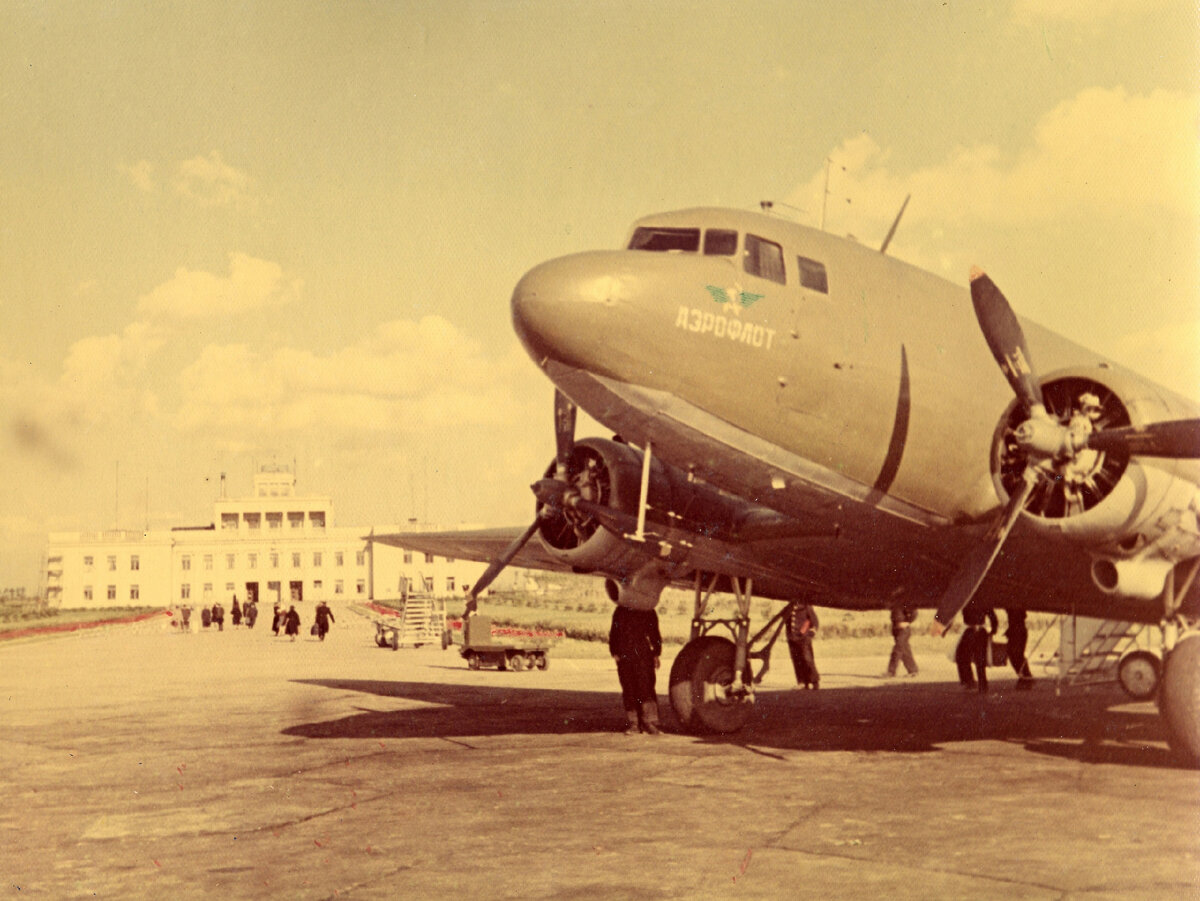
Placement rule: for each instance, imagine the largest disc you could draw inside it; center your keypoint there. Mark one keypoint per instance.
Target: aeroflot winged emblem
(721, 295)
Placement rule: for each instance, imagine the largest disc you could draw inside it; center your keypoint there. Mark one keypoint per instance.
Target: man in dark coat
(902, 620)
(801, 626)
(218, 616)
(636, 645)
(324, 618)
(235, 612)
(973, 646)
(292, 622)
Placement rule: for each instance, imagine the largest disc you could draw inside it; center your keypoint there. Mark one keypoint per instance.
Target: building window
(337, 587)
(408, 556)
(112, 592)
(87, 592)
(449, 559)
(230, 561)
(428, 583)
(339, 559)
(185, 590)
(274, 520)
(274, 561)
(316, 519)
(208, 561)
(252, 561)
(208, 591)
(135, 562)
(318, 585)
(361, 558)
(185, 562)
(295, 520)
(253, 521)
(229, 588)
(360, 587)
(316, 558)
(135, 593)
(449, 584)
(295, 560)
(429, 558)
(229, 521)
(112, 564)
(88, 563)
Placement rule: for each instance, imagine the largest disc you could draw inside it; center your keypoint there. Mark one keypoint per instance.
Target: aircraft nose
(561, 308)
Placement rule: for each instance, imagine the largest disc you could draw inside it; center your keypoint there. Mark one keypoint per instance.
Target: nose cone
(563, 308)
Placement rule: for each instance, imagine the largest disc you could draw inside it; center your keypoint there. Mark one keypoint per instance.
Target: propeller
(1050, 444)
(564, 438)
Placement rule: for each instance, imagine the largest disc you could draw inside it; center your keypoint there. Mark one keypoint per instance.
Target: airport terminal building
(275, 546)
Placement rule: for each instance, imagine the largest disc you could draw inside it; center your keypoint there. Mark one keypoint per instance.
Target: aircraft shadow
(1094, 726)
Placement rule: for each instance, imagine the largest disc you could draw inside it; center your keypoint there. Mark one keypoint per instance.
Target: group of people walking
(285, 621)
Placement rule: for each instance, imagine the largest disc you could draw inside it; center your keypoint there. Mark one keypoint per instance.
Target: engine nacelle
(609, 473)
(1138, 516)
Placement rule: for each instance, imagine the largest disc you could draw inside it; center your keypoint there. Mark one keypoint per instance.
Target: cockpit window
(765, 259)
(720, 242)
(664, 239)
(812, 275)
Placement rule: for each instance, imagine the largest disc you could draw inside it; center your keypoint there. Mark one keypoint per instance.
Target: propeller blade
(971, 574)
(494, 568)
(1178, 439)
(564, 433)
(1005, 338)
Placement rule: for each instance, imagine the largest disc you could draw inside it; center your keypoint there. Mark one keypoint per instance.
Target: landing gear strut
(1179, 691)
(711, 682)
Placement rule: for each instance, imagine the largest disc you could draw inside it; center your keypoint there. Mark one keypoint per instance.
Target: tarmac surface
(140, 762)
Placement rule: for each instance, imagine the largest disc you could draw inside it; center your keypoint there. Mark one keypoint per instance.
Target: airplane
(800, 416)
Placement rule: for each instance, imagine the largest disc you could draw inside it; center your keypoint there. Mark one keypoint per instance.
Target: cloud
(141, 174)
(404, 378)
(1103, 152)
(211, 182)
(252, 284)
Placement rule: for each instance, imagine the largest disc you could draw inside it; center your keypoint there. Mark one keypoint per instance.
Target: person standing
(1018, 638)
(185, 616)
(802, 625)
(235, 612)
(251, 613)
(902, 620)
(324, 618)
(635, 643)
(973, 646)
(218, 616)
(292, 622)
(277, 622)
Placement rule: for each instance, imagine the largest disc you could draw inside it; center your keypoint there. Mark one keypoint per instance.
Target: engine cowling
(1137, 516)
(609, 473)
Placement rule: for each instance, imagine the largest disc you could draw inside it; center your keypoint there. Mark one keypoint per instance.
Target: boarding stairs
(1090, 650)
(422, 622)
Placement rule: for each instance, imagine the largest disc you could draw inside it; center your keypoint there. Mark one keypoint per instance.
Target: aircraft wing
(483, 545)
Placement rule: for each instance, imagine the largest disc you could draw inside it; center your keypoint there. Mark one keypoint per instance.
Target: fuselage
(869, 368)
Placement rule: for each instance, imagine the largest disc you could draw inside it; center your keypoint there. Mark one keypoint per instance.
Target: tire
(473, 660)
(517, 663)
(699, 671)
(1139, 674)
(542, 662)
(1179, 699)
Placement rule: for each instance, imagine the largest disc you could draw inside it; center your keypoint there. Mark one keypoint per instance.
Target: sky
(242, 233)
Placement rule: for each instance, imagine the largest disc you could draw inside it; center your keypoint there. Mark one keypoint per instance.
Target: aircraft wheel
(712, 709)
(1179, 699)
(516, 662)
(679, 683)
(1139, 673)
(473, 660)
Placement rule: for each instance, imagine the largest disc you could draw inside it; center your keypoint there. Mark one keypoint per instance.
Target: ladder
(1095, 659)
(422, 622)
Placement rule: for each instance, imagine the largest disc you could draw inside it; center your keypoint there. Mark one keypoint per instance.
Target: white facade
(275, 545)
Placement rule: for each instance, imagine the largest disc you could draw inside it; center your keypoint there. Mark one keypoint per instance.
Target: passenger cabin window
(663, 239)
(720, 242)
(812, 275)
(765, 259)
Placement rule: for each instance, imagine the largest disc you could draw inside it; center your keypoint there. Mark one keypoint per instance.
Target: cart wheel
(380, 640)
(473, 660)
(542, 662)
(446, 640)
(395, 640)
(517, 662)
